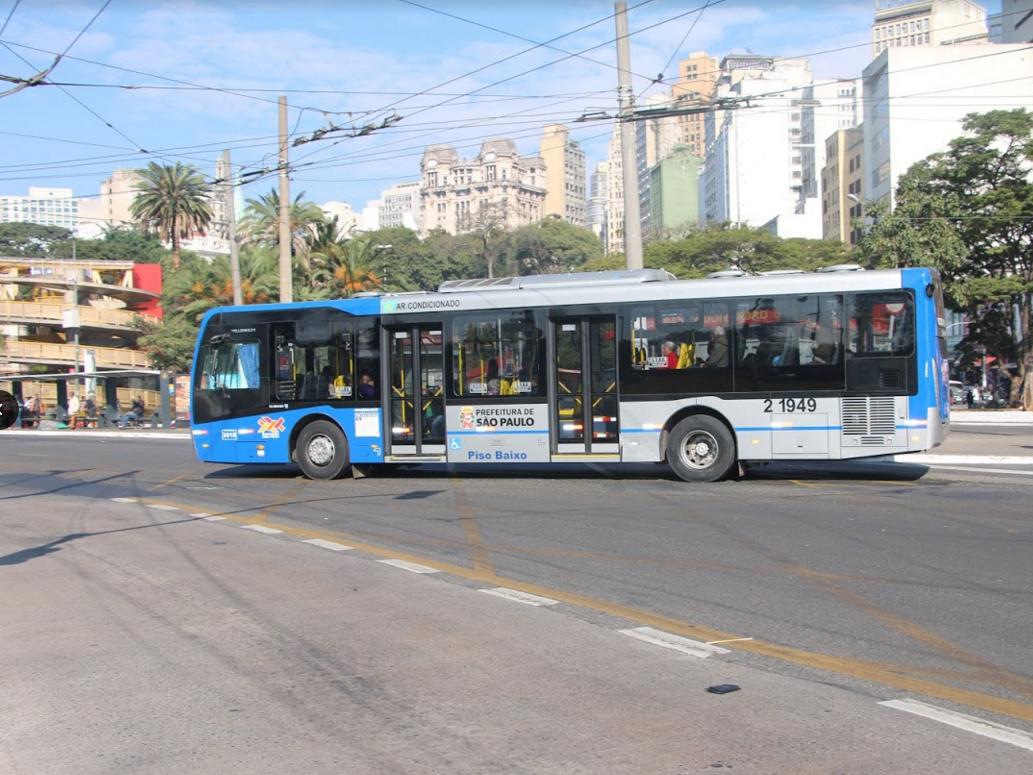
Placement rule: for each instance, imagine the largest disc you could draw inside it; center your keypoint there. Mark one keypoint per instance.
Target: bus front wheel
(701, 449)
(322, 450)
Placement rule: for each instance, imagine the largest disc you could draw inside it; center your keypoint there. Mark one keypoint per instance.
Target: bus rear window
(881, 323)
(227, 365)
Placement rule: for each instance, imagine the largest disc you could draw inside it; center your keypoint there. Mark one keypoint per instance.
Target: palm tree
(172, 201)
(344, 267)
(210, 284)
(261, 221)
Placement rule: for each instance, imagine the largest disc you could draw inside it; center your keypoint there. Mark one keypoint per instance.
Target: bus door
(583, 387)
(415, 401)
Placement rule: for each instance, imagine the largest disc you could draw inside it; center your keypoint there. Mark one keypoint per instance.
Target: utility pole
(231, 229)
(629, 164)
(286, 287)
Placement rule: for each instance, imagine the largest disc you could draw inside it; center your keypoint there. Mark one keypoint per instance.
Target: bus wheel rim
(321, 449)
(699, 450)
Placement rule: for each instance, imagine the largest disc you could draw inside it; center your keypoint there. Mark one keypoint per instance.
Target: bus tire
(701, 449)
(322, 450)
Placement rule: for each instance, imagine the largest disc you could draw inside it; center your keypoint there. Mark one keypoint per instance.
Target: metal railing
(52, 314)
(64, 354)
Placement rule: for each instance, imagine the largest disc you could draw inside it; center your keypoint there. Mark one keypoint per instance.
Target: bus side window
(313, 360)
(367, 358)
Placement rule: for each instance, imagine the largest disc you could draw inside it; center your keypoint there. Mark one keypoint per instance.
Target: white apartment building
(655, 138)
(564, 175)
(348, 221)
(498, 187)
(614, 242)
(597, 201)
(400, 206)
(902, 125)
(754, 167)
(930, 23)
(828, 106)
(43, 206)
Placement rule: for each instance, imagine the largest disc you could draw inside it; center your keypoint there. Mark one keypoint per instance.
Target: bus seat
(685, 356)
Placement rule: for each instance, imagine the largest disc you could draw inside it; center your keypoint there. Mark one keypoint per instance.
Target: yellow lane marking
(472, 531)
(173, 480)
(803, 484)
(887, 674)
(263, 514)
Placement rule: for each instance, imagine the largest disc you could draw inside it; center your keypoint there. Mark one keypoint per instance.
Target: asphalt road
(832, 590)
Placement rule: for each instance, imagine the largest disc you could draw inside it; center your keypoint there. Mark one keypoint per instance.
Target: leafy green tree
(261, 221)
(121, 244)
(968, 211)
(30, 239)
(551, 245)
(173, 200)
(169, 345)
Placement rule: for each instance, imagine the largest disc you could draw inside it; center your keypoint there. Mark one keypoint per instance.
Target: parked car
(957, 392)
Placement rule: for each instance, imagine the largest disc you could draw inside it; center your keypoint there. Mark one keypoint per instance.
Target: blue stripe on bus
(490, 433)
(792, 428)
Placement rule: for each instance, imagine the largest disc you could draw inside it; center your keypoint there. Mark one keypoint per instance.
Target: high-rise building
(754, 167)
(43, 206)
(564, 175)
(655, 138)
(498, 188)
(400, 206)
(673, 191)
(597, 202)
(697, 79)
(842, 185)
(826, 108)
(927, 23)
(1014, 24)
(614, 194)
(897, 128)
(116, 196)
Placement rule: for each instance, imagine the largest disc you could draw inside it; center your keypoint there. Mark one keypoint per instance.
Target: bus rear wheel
(322, 450)
(701, 449)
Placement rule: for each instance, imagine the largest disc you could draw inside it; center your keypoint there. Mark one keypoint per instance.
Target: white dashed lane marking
(693, 648)
(262, 529)
(213, 519)
(124, 500)
(412, 567)
(331, 545)
(161, 507)
(520, 597)
(962, 721)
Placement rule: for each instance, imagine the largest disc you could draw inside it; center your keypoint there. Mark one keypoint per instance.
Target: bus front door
(416, 398)
(584, 388)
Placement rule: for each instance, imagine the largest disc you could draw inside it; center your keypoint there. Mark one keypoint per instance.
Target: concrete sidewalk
(107, 433)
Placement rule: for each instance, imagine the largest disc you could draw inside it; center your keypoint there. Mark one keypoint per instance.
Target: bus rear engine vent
(868, 421)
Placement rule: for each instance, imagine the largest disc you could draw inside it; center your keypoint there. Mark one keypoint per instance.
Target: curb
(991, 418)
(101, 434)
(957, 460)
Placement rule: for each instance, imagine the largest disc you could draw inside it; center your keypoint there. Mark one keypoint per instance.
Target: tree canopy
(968, 212)
(173, 200)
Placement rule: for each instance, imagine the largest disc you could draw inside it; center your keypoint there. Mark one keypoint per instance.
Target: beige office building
(928, 23)
(564, 175)
(842, 186)
(498, 188)
(697, 80)
(614, 194)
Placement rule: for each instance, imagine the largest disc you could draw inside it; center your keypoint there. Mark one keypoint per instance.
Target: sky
(207, 75)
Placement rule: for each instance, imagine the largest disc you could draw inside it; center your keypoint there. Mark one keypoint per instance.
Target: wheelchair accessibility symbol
(455, 443)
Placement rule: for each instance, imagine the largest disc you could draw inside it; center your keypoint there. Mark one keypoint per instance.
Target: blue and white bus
(622, 366)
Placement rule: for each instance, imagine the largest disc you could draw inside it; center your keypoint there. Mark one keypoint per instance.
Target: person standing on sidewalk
(73, 411)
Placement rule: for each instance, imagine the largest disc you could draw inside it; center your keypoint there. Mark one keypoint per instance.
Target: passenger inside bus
(367, 388)
(492, 379)
(717, 348)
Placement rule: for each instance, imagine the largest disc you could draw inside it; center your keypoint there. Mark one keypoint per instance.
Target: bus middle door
(415, 401)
